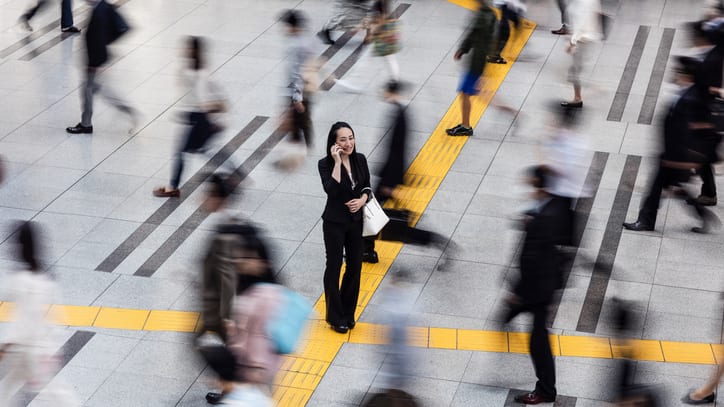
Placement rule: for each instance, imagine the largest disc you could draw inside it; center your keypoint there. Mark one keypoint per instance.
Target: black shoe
(460, 130)
(70, 30)
(370, 257)
(561, 31)
(533, 398)
(25, 22)
(326, 36)
(706, 400)
(638, 226)
(342, 329)
(214, 398)
(702, 200)
(80, 129)
(577, 105)
(351, 324)
(496, 59)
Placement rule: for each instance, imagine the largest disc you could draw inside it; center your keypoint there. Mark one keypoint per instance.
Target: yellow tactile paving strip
(304, 369)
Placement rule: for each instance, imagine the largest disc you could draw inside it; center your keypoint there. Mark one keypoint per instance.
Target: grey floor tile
(171, 360)
(343, 385)
(141, 293)
(473, 394)
(133, 389)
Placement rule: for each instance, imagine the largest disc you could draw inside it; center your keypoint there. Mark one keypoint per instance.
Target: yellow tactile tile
(585, 346)
(683, 352)
(297, 380)
(519, 342)
(368, 334)
(177, 321)
(319, 350)
(71, 315)
(718, 352)
(289, 397)
(638, 349)
(488, 341)
(308, 366)
(418, 337)
(319, 330)
(120, 318)
(443, 338)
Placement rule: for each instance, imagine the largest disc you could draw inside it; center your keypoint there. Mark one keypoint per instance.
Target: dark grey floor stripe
(629, 73)
(61, 37)
(583, 212)
(593, 303)
(561, 401)
(144, 230)
(648, 106)
(187, 228)
(71, 348)
(352, 59)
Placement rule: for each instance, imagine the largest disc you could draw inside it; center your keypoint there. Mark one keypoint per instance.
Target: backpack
(287, 324)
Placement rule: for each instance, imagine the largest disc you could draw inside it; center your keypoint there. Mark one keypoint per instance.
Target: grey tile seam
(593, 302)
(653, 89)
(627, 77)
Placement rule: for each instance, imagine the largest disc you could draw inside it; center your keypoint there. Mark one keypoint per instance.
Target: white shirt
(585, 16)
(566, 154)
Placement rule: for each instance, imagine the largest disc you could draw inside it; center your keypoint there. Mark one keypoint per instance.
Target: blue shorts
(468, 84)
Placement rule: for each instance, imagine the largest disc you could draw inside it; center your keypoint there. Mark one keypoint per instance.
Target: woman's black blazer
(338, 193)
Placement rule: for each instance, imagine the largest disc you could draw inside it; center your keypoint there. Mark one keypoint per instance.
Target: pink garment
(256, 358)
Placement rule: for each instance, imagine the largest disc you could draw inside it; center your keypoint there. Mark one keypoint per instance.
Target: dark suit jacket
(393, 172)
(540, 260)
(687, 108)
(100, 33)
(338, 193)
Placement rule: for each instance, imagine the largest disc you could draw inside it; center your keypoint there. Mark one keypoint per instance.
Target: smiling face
(345, 140)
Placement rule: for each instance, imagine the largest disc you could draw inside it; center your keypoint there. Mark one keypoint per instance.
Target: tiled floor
(91, 193)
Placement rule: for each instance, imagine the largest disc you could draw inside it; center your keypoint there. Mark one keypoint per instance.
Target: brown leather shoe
(533, 398)
(561, 31)
(166, 193)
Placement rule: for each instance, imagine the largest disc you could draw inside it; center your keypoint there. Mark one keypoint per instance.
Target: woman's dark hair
(196, 45)
(219, 186)
(257, 244)
(28, 245)
(332, 138)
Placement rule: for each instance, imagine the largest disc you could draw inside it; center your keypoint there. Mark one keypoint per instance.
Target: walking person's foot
(164, 192)
(702, 200)
(79, 129)
(561, 31)
(460, 130)
(70, 30)
(25, 23)
(638, 226)
(691, 399)
(326, 36)
(496, 59)
(533, 398)
(576, 104)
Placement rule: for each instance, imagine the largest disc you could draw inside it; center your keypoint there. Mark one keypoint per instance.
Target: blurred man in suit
(105, 26)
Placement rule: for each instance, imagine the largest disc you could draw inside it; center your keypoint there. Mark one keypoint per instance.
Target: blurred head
(218, 191)
(699, 36)
(685, 70)
(540, 178)
(194, 52)
(254, 260)
(392, 90)
(27, 240)
(294, 21)
(341, 134)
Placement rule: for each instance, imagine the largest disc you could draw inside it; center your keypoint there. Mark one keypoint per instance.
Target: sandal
(166, 193)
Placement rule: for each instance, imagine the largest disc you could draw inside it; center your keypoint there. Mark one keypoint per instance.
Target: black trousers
(66, 12)
(198, 135)
(341, 300)
(540, 348)
(708, 186)
(665, 177)
(302, 124)
(507, 16)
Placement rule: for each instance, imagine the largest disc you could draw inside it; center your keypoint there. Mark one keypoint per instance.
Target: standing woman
(346, 180)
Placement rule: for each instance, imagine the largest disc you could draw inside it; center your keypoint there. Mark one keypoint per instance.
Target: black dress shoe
(70, 30)
(370, 257)
(326, 37)
(80, 129)
(638, 226)
(577, 105)
(214, 398)
(533, 398)
(706, 400)
(351, 324)
(342, 329)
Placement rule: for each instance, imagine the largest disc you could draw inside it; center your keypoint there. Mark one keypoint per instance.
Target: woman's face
(345, 140)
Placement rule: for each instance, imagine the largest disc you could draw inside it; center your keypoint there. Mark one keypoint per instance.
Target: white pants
(31, 367)
(246, 395)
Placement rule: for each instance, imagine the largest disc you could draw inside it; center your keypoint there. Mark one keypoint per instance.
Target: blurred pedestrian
(706, 394)
(301, 68)
(511, 12)
(248, 362)
(478, 39)
(563, 7)
(346, 180)
(66, 16)
(687, 116)
(29, 343)
(346, 15)
(540, 276)
(587, 30)
(206, 104)
(106, 26)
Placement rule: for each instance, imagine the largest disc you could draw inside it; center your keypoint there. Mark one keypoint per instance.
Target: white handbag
(373, 218)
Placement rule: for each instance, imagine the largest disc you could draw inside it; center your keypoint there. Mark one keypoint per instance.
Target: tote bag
(373, 218)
